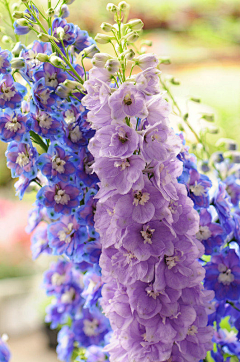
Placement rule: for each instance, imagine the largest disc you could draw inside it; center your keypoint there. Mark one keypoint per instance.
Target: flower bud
(112, 66)
(99, 60)
(208, 117)
(18, 14)
(68, 2)
(25, 1)
(135, 25)
(164, 60)
(123, 5)
(18, 63)
(62, 11)
(17, 49)
(60, 33)
(62, 91)
(106, 27)
(15, 6)
(6, 39)
(42, 57)
(50, 12)
(145, 61)
(132, 37)
(44, 37)
(147, 42)
(103, 38)
(56, 61)
(112, 8)
(72, 84)
(22, 22)
(90, 51)
(128, 54)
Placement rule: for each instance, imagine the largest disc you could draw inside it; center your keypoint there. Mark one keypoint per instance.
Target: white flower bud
(132, 37)
(6, 39)
(22, 22)
(135, 25)
(68, 2)
(112, 65)
(123, 5)
(145, 61)
(17, 49)
(18, 63)
(112, 8)
(50, 12)
(103, 38)
(44, 37)
(128, 54)
(106, 27)
(56, 61)
(42, 57)
(18, 15)
(60, 32)
(15, 6)
(90, 51)
(99, 60)
(72, 84)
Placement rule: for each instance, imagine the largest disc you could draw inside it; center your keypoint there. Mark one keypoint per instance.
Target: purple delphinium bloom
(58, 164)
(222, 203)
(92, 289)
(96, 354)
(210, 234)
(198, 187)
(84, 168)
(76, 135)
(158, 109)
(21, 159)
(127, 101)
(22, 185)
(44, 124)
(68, 30)
(233, 189)
(85, 213)
(11, 93)
(39, 242)
(59, 198)
(21, 30)
(148, 81)
(52, 75)
(223, 275)
(5, 58)
(60, 273)
(66, 236)
(13, 126)
(44, 97)
(5, 354)
(82, 40)
(65, 347)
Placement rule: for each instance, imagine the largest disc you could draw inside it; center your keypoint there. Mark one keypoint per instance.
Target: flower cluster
(152, 294)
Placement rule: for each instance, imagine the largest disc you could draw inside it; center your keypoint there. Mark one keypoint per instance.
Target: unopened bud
(6, 39)
(123, 5)
(132, 37)
(56, 61)
(149, 43)
(145, 61)
(44, 37)
(164, 60)
(99, 60)
(112, 8)
(128, 54)
(17, 49)
(112, 65)
(208, 117)
(90, 51)
(196, 100)
(106, 27)
(50, 12)
(22, 22)
(180, 127)
(68, 2)
(18, 63)
(15, 6)
(72, 84)
(62, 11)
(213, 130)
(18, 15)
(103, 38)
(25, 1)
(42, 57)
(135, 25)
(174, 81)
(60, 33)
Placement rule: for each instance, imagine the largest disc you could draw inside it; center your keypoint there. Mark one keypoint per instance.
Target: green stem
(85, 74)
(11, 18)
(233, 305)
(38, 140)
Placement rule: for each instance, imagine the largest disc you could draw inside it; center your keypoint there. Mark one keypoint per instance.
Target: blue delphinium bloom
(21, 30)
(222, 202)
(5, 58)
(11, 93)
(21, 159)
(65, 347)
(52, 75)
(5, 354)
(67, 30)
(39, 242)
(13, 126)
(82, 40)
(45, 98)
(198, 186)
(58, 164)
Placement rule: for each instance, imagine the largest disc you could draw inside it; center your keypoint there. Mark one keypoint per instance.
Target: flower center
(197, 189)
(123, 164)
(129, 257)
(90, 327)
(7, 92)
(51, 80)
(69, 117)
(127, 99)
(44, 95)
(58, 279)
(151, 292)
(66, 234)
(141, 198)
(122, 136)
(58, 164)
(192, 330)
(147, 234)
(45, 121)
(171, 261)
(225, 277)
(204, 233)
(22, 159)
(61, 197)
(75, 134)
(68, 296)
(13, 125)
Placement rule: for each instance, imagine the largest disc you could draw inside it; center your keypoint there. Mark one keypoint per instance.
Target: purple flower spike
(5, 58)
(11, 93)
